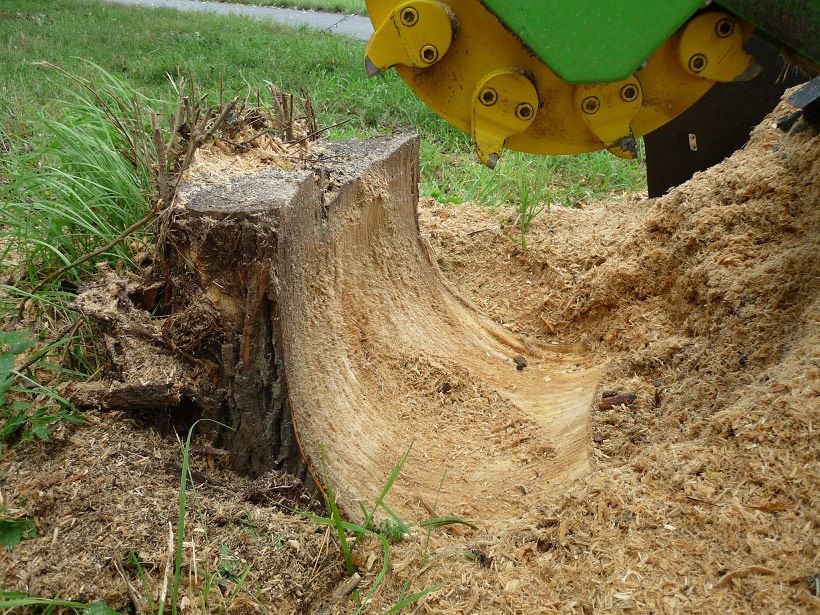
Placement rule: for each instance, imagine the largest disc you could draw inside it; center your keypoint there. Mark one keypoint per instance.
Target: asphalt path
(353, 26)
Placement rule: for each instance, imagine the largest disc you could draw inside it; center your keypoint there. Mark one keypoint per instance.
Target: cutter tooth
(416, 33)
(711, 47)
(608, 110)
(752, 71)
(371, 69)
(505, 104)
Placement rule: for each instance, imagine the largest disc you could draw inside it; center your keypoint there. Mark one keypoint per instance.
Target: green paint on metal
(593, 41)
(790, 23)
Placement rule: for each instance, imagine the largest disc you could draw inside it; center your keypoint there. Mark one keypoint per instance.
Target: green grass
(391, 530)
(14, 528)
(350, 7)
(144, 46)
(16, 602)
(29, 409)
(70, 188)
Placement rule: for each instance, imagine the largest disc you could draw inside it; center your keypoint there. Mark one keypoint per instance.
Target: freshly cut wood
(342, 340)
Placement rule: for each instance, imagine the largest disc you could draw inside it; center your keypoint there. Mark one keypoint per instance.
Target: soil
(701, 311)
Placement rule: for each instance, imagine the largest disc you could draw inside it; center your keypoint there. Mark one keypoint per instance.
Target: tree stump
(224, 263)
(314, 320)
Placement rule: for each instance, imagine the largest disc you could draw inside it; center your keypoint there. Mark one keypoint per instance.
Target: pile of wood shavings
(254, 140)
(104, 496)
(705, 304)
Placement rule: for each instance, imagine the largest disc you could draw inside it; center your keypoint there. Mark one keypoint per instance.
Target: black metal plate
(720, 122)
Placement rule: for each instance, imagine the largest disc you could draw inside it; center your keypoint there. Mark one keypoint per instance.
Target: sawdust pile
(704, 304)
(105, 499)
(259, 137)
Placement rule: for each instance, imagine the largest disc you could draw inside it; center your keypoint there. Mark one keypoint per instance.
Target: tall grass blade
(336, 520)
(184, 477)
(391, 480)
(404, 602)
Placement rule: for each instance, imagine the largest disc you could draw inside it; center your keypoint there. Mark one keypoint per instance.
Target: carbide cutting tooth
(505, 102)
(371, 69)
(752, 71)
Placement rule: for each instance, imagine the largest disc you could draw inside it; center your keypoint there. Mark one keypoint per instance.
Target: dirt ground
(703, 493)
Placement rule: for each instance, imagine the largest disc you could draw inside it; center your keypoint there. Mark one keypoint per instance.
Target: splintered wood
(331, 288)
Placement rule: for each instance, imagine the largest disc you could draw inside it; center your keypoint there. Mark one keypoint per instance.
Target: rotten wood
(136, 398)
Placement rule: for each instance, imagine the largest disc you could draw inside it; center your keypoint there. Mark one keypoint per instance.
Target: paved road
(348, 25)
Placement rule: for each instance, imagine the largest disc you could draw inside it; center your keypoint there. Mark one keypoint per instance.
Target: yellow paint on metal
(415, 33)
(482, 46)
(505, 103)
(608, 109)
(711, 47)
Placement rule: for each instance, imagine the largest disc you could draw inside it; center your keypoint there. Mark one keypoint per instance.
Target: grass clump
(527, 209)
(29, 409)
(74, 185)
(13, 601)
(390, 530)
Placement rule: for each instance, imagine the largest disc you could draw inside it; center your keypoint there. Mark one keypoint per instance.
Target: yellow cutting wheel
(475, 73)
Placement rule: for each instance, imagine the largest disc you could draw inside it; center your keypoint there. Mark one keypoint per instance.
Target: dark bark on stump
(222, 263)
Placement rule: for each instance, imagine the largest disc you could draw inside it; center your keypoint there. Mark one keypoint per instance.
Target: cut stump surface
(343, 332)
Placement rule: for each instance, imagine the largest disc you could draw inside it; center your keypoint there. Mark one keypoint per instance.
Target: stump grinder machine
(567, 76)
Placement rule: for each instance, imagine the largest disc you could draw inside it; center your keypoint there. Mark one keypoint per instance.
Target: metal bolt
(429, 54)
(488, 96)
(409, 16)
(590, 105)
(524, 111)
(629, 92)
(724, 28)
(697, 62)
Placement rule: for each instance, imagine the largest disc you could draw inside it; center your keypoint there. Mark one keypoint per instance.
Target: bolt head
(629, 92)
(429, 54)
(488, 97)
(524, 111)
(697, 62)
(725, 27)
(409, 16)
(591, 105)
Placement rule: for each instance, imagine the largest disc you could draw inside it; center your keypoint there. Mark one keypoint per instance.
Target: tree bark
(223, 262)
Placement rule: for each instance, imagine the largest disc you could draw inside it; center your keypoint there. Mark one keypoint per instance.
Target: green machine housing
(607, 40)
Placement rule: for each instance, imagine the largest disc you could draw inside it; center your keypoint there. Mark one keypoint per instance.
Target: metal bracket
(505, 103)
(608, 110)
(416, 33)
(711, 47)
